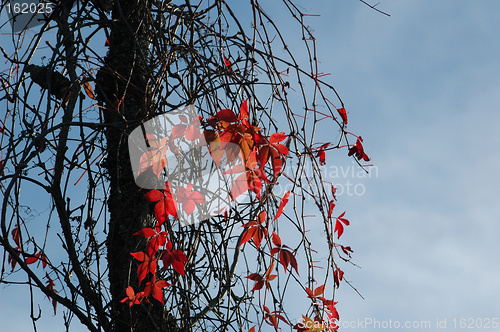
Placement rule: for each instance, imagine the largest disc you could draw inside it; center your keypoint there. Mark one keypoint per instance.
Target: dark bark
(122, 85)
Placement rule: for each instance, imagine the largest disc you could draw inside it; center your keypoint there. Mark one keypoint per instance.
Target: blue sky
(422, 88)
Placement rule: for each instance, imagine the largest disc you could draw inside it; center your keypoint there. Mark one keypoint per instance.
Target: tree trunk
(122, 90)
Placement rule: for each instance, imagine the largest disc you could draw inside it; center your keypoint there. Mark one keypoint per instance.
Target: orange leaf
(277, 137)
(243, 110)
(320, 290)
(88, 90)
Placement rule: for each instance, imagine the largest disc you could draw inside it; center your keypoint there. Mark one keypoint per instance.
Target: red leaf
(11, 260)
(358, 150)
(240, 186)
(50, 286)
(33, 259)
(262, 217)
(16, 236)
(247, 235)
(259, 281)
(214, 142)
(287, 258)
(166, 205)
(176, 258)
(157, 240)
(50, 283)
(277, 137)
(322, 157)
(339, 228)
(283, 202)
(132, 298)
(254, 232)
(226, 115)
(148, 265)
(320, 290)
(254, 181)
(227, 63)
(155, 157)
(343, 114)
(276, 240)
(164, 208)
(346, 250)
(155, 288)
(178, 130)
(333, 193)
(276, 161)
(146, 232)
(189, 198)
(337, 276)
(154, 195)
(243, 111)
(309, 292)
(321, 153)
(331, 306)
(192, 133)
(272, 317)
(330, 210)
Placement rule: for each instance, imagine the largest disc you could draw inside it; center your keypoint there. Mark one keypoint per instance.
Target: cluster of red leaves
(230, 135)
(271, 318)
(321, 154)
(155, 157)
(358, 151)
(318, 324)
(286, 256)
(31, 259)
(149, 263)
(165, 205)
(190, 130)
(234, 136)
(251, 178)
(256, 230)
(340, 220)
(260, 281)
